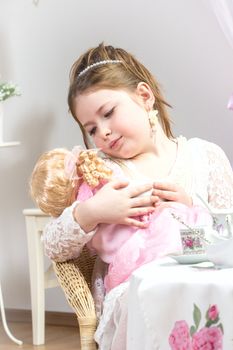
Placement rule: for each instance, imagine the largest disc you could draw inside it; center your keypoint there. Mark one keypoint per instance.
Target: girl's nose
(105, 132)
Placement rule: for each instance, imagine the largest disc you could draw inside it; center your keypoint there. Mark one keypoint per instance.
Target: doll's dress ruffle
(161, 238)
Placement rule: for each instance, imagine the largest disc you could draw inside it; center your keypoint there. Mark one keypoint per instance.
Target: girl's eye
(92, 131)
(109, 113)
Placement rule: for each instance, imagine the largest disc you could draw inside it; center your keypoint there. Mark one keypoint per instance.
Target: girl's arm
(220, 188)
(65, 236)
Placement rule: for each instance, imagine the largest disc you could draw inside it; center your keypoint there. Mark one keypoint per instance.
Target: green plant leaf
(192, 330)
(8, 90)
(208, 323)
(196, 315)
(211, 322)
(207, 314)
(221, 327)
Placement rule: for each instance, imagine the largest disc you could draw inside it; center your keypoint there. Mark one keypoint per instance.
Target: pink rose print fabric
(180, 338)
(209, 337)
(213, 313)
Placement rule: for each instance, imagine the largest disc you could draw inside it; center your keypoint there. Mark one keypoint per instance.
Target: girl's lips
(115, 143)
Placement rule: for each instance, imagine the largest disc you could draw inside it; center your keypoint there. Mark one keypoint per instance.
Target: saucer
(190, 258)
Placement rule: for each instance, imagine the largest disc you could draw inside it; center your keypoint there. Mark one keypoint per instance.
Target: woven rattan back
(85, 262)
(75, 279)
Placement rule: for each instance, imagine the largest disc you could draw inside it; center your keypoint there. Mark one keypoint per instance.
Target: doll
(58, 175)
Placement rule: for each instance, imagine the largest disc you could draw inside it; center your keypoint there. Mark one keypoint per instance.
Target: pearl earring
(153, 119)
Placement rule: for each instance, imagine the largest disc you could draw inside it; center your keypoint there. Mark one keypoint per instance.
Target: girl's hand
(168, 192)
(115, 203)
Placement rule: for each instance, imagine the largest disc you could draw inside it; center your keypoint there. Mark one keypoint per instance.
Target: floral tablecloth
(180, 307)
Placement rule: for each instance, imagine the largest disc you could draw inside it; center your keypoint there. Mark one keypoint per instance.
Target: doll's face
(116, 120)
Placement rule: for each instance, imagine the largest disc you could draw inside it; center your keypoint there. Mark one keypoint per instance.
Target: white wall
(179, 40)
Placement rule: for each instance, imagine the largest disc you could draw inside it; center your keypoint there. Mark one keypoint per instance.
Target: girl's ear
(146, 95)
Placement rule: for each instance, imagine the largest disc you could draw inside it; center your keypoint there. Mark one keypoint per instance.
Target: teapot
(220, 249)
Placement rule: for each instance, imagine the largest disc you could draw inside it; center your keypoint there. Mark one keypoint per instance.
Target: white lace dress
(200, 168)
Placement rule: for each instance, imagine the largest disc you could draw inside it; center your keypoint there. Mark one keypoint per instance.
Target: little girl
(114, 99)
(61, 177)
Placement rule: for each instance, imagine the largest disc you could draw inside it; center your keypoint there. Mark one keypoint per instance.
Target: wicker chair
(74, 277)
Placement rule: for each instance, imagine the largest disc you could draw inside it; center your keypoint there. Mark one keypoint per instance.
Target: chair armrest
(79, 296)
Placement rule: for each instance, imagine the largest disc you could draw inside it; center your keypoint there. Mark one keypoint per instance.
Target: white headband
(96, 64)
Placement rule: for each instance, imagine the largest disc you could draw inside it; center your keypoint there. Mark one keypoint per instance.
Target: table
(3, 316)
(162, 293)
(40, 279)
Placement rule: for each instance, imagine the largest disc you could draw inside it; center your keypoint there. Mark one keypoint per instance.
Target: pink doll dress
(162, 237)
(126, 248)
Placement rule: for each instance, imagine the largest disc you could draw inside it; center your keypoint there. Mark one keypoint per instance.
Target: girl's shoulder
(202, 145)
(196, 141)
(197, 144)
(206, 151)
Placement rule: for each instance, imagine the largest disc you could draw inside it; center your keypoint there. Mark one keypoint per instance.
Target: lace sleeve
(63, 237)
(220, 187)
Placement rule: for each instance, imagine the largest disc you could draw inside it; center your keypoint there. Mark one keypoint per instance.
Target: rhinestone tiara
(96, 64)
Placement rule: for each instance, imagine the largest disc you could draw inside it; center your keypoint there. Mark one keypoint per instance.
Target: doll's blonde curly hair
(52, 190)
(92, 169)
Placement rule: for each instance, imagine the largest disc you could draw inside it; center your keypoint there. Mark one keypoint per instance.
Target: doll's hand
(164, 193)
(115, 203)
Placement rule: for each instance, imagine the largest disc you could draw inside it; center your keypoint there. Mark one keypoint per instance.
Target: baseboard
(51, 317)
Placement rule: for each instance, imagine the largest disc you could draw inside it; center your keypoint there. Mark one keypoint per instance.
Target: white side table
(5, 326)
(40, 279)
(9, 144)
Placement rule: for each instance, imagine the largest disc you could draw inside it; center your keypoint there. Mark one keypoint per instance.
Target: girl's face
(116, 120)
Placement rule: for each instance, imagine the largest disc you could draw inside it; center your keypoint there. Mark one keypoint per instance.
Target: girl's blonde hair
(125, 75)
(54, 188)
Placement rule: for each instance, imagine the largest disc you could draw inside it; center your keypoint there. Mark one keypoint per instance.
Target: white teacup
(193, 240)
